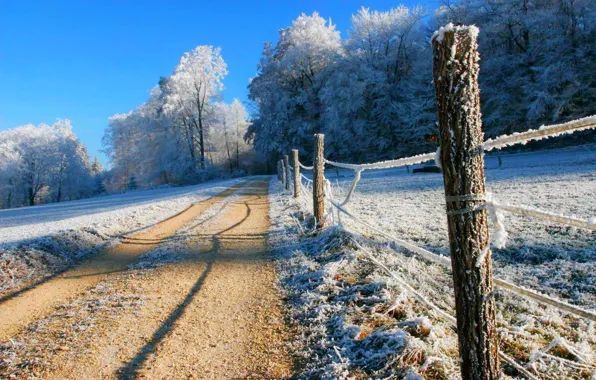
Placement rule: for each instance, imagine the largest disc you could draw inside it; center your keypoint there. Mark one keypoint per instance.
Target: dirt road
(211, 311)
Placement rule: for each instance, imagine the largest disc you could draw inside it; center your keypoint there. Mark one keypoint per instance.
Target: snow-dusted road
(200, 302)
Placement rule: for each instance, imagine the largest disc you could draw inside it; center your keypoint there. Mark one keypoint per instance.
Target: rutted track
(215, 314)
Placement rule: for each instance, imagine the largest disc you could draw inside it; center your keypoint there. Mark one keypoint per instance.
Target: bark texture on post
(287, 173)
(297, 181)
(455, 74)
(283, 172)
(318, 190)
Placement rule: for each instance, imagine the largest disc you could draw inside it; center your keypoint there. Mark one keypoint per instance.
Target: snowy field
(358, 321)
(555, 259)
(41, 240)
(113, 214)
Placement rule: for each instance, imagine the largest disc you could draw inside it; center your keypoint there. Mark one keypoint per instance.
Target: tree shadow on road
(130, 369)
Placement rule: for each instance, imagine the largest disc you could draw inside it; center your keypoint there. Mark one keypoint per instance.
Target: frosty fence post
(278, 172)
(318, 187)
(283, 172)
(455, 75)
(297, 180)
(287, 172)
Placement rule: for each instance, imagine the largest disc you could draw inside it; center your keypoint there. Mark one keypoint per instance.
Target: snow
(411, 207)
(542, 256)
(113, 214)
(440, 34)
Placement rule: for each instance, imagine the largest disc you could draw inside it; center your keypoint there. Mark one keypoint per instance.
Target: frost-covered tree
(196, 81)
(372, 96)
(371, 93)
(355, 91)
(287, 87)
(227, 126)
(538, 60)
(239, 124)
(43, 163)
(182, 134)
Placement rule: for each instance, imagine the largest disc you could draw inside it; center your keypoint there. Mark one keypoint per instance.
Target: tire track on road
(19, 311)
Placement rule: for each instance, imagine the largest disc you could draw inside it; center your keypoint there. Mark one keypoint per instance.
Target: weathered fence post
(278, 172)
(455, 74)
(288, 174)
(283, 172)
(318, 179)
(297, 181)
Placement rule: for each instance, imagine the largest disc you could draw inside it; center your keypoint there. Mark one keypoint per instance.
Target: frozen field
(113, 214)
(538, 254)
(356, 320)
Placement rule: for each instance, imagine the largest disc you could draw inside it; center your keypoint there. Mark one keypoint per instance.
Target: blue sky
(86, 60)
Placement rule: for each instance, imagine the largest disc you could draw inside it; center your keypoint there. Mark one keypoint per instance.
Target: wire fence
(336, 208)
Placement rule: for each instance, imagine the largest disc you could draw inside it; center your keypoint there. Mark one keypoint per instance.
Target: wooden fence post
(297, 181)
(288, 174)
(283, 172)
(278, 172)
(318, 189)
(455, 74)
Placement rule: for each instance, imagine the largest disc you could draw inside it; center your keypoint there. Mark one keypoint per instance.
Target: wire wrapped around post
(455, 75)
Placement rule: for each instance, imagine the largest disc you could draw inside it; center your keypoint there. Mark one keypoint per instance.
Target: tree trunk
(455, 71)
(237, 146)
(228, 151)
(190, 140)
(31, 197)
(201, 140)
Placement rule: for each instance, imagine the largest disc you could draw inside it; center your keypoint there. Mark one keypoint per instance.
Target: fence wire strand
(436, 309)
(495, 143)
(443, 260)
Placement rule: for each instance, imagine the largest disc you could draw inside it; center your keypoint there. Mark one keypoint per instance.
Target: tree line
(371, 92)
(45, 163)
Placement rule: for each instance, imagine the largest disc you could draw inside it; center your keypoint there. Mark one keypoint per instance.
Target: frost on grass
(322, 274)
(352, 320)
(45, 256)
